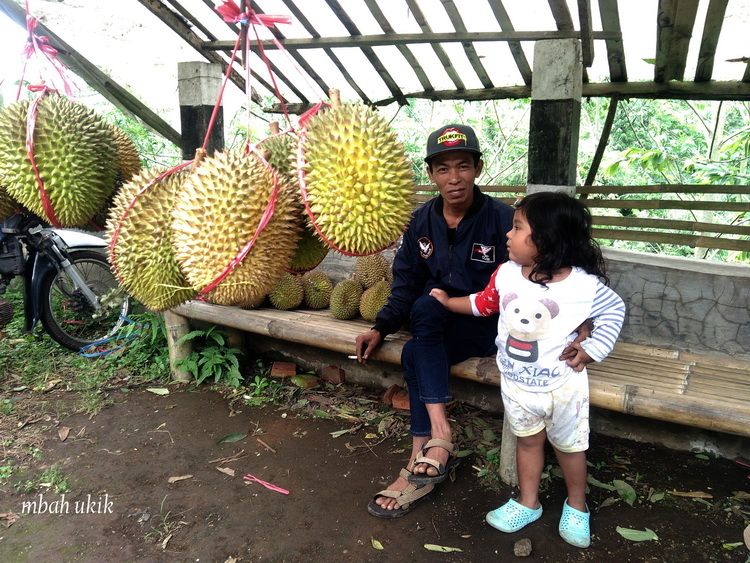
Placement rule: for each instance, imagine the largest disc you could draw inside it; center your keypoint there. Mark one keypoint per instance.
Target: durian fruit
(345, 299)
(374, 299)
(128, 165)
(318, 288)
(288, 293)
(359, 181)
(143, 256)
(7, 205)
(75, 153)
(280, 152)
(310, 252)
(369, 270)
(217, 213)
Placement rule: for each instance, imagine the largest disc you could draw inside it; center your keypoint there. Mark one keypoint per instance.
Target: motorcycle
(67, 281)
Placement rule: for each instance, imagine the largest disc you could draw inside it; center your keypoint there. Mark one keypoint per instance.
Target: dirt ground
(129, 451)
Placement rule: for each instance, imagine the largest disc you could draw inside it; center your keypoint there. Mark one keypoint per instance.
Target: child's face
(521, 249)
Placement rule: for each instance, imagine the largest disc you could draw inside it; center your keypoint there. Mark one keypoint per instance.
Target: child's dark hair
(561, 230)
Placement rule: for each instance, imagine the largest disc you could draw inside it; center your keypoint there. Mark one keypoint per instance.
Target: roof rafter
(471, 52)
(615, 49)
(711, 30)
(371, 56)
(516, 50)
(587, 37)
(682, 31)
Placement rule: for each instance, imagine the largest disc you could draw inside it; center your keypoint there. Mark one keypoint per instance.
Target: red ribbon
(232, 14)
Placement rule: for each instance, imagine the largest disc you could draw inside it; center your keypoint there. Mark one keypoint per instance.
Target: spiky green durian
(359, 182)
(374, 299)
(318, 288)
(75, 153)
(369, 270)
(288, 293)
(217, 213)
(128, 159)
(310, 252)
(281, 154)
(345, 299)
(143, 257)
(7, 205)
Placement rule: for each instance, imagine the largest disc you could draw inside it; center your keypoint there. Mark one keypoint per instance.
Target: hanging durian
(310, 252)
(217, 212)
(128, 165)
(7, 205)
(75, 153)
(143, 256)
(359, 181)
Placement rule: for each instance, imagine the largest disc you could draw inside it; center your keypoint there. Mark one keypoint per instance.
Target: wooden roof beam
(564, 22)
(682, 31)
(385, 25)
(615, 50)
(171, 20)
(519, 56)
(94, 77)
(440, 53)
(304, 65)
(587, 36)
(711, 31)
(471, 52)
(371, 56)
(300, 17)
(664, 24)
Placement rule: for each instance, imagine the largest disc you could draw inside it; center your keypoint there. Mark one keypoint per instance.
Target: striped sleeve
(608, 313)
(487, 301)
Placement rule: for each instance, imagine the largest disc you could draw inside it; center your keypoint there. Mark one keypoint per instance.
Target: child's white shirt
(536, 323)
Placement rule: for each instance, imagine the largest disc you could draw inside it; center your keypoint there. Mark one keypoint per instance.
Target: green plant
(262, 390)
(144, 354)
(7, 406)
(213, 359)
(52, 479)
(6, 471)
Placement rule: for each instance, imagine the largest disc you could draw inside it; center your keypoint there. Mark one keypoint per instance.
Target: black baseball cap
(452, 137)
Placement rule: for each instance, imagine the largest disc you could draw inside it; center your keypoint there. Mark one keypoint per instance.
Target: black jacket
(428, 259)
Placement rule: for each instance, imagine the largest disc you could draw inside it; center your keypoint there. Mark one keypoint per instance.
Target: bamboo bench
(710, 392)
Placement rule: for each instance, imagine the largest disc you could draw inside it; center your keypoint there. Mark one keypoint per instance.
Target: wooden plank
(587, 39)
(471, 52)
(603, 140)
(515, 46)
(682, 31)
(711, 31)
(304, 65)
(440, 53)
(361, 41)
(668, 204)
(385, 25)
(189, 16)
(191, 38)
(672, 238)
(661, 189)
(94, 77)
(615, 50)
(670, 224)
(664, 24)
(302, 20)
(371, 56)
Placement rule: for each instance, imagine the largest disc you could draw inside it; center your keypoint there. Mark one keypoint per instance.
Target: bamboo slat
(711, 30)
(672, 238)
(663, 384)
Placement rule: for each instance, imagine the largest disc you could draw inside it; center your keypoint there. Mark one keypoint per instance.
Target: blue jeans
(439, 339)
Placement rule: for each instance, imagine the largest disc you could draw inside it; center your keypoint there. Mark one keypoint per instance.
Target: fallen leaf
(376, 544)
(465, 536)
(158, 390)
(594, 482)
(637, 535)
(226, 470)
(320, 413)
(180, 478)
(464, 453)
(702, 456)
(166, 541)
(51, 385)
(656, 497)
(339, 433)
(234, 437)
(63, 432)
(731, 546)
(8, 518)
(609, 501)
(441, 548)
(626, 492)
(690, 494)
(741, 495)
(231, 560)
(305, 381)
(370, 436)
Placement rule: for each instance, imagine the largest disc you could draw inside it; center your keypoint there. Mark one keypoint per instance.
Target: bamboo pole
(177, 327)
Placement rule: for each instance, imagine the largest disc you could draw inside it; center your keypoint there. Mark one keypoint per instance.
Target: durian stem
(275, 129)
(335, 96)
(199, 155)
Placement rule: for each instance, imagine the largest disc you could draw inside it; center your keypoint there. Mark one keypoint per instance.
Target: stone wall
(692, 305)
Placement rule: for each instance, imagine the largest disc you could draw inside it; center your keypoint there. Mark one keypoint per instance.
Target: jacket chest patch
(483, 253)
(425, 247)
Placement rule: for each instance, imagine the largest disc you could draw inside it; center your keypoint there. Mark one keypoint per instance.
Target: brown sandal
(442, 470)
(405, 499)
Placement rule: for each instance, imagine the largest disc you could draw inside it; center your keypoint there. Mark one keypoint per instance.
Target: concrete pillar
(555, 115)
(198, 85)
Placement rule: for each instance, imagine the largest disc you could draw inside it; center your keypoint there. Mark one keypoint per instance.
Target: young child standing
(554, 280)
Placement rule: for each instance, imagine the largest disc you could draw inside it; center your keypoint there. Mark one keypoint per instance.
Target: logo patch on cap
(451, 137)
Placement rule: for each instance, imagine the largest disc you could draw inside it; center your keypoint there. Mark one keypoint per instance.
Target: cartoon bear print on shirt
(527, 321)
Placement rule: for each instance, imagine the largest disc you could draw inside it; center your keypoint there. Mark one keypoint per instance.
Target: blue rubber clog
(574, 526)
(512, 516)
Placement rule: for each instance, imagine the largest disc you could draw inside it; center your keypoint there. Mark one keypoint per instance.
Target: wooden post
(555, 115)
(198, 84)
(177, 327)
(508, 469)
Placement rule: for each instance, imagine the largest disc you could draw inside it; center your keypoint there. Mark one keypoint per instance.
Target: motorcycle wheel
(67, 315)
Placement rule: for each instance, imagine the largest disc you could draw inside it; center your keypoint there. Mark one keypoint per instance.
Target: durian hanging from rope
(75, 153)
(358, 180)
(218, 212)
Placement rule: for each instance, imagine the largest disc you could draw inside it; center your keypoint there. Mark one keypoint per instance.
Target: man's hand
(366, 344)
(574, 354)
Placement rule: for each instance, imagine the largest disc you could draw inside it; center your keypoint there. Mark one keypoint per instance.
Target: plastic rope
(84, 351)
